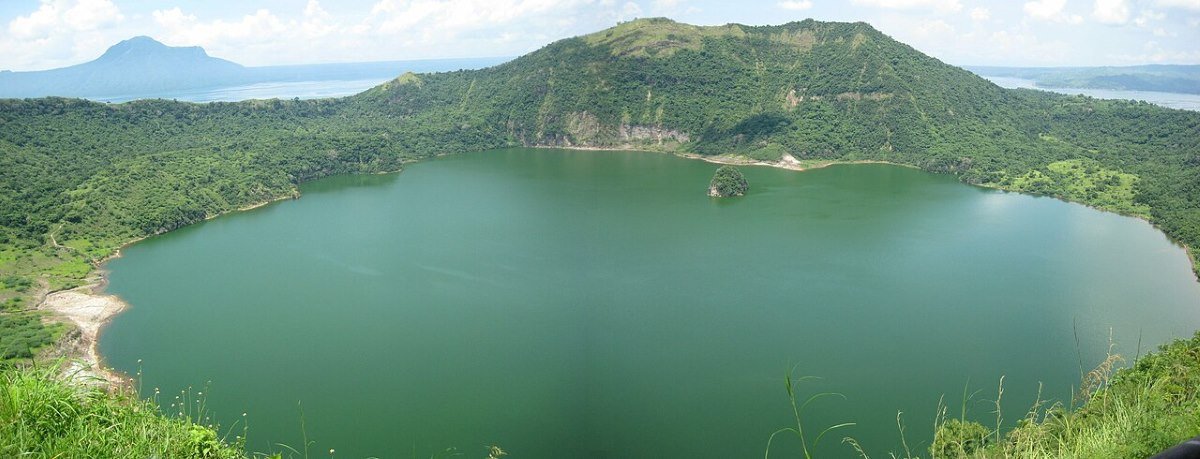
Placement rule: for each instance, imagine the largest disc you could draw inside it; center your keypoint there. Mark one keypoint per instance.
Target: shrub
(956, 438)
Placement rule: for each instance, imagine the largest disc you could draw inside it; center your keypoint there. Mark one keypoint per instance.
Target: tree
(728, 181)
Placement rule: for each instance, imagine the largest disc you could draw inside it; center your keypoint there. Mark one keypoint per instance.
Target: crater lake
(599, 304)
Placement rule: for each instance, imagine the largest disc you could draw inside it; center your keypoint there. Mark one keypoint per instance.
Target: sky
(42, 34)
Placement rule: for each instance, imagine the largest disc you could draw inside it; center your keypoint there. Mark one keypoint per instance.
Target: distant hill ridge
(145, 49)
(137, 65)
(1155, 77)
(142, 66)
(814, 89)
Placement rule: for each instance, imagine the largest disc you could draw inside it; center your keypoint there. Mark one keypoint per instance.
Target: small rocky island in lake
(728, 181)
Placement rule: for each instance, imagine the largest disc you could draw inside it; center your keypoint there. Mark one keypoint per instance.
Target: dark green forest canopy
(79, 178)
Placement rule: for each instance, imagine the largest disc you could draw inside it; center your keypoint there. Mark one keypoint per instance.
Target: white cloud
(394, 29)
(676, 9)
(454, 16)
(629, 11)
(958, 40)
(59, 16)
(53, 33)
(939, 5)
(935, 28)
(37, 24)
(1051, 10)
(795, 5)
(1044, 9)
(317, 21)
(1154, 52)
(61, 32)
(666, 5)
(187, 29)
(173, 18)
(1111, 11)
(1185, 4)
(1010, 43)
(1146, 16)
(92, 14)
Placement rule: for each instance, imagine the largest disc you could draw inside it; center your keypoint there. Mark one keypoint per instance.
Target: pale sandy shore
(88, 312)
(786, 161)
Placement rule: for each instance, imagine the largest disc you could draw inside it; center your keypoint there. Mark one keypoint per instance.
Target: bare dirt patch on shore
(88, 312)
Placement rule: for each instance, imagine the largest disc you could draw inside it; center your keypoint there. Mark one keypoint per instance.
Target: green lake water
(599, 305)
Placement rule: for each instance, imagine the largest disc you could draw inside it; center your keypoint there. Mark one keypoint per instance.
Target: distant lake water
(1165, 99)
(317, 89)
(270, 90)
(312, 81)
(568, 304)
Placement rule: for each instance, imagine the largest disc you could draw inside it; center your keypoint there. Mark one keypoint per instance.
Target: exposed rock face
(584, 129)
(654, 133)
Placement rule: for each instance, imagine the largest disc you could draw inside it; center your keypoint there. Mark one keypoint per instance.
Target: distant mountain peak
(140, 42)
(143, 47)
(143, 39)
(138, 65)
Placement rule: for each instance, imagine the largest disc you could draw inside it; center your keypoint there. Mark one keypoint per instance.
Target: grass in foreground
(1138, 412)
(43, 414)
(1134, 412)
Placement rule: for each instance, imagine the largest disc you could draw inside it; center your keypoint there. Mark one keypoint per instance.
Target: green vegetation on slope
(22, 332)
(1082, 181)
